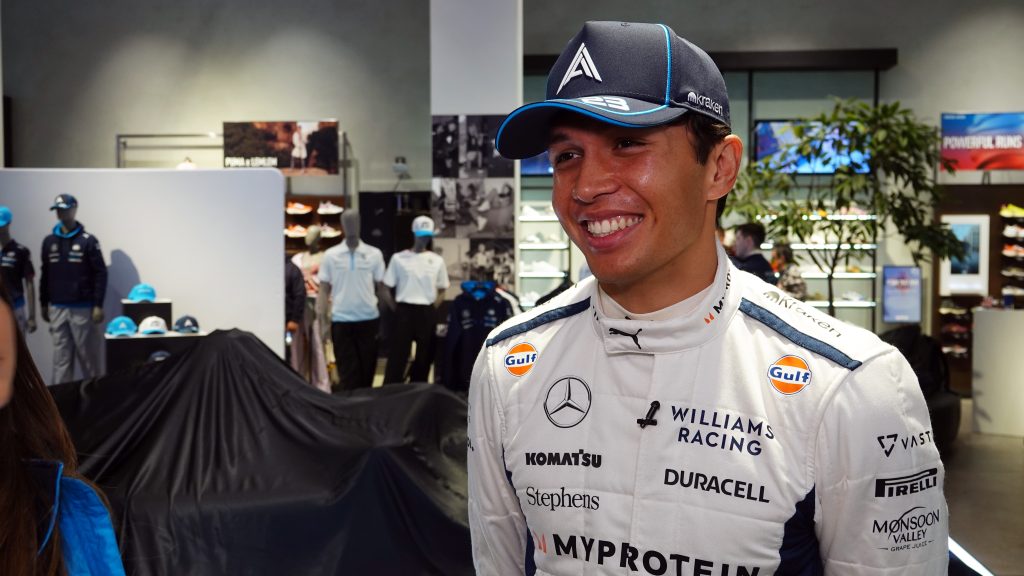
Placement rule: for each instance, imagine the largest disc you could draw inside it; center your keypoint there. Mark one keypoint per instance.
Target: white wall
(80, 73)
(210, 240)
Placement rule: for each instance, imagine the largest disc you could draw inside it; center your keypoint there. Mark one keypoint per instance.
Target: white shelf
(543, 246)
(842, 303)
(542, 274)
(538, 218)
(839, 275)
(770, 245)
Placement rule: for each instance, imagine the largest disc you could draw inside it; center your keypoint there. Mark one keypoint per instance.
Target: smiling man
(672, 414)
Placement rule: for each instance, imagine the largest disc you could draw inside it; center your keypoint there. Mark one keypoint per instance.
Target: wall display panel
(984, 141)
(208, 240)
(901, 294)
(296, 148)
(967, 275)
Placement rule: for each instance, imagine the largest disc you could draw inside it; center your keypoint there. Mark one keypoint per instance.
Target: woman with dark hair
(790, 280)
(52, 521)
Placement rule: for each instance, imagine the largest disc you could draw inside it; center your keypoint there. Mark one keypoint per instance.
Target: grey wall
(953, 55)
(209, 240)
(80, 72)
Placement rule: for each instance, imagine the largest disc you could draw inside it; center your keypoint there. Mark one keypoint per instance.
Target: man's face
(744, 245)
(633, 200)
(66, 216)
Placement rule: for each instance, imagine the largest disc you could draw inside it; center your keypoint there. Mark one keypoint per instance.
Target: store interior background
(75, 75)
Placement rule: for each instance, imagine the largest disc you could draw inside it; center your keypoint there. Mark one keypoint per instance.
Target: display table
(998, 383)
(125, 352)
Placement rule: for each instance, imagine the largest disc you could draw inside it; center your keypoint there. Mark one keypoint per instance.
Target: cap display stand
(126, 352)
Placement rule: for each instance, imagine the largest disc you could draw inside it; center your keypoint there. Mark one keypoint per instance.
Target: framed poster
(901, 294)
(968, 275)
(295, 148)
(984, 141)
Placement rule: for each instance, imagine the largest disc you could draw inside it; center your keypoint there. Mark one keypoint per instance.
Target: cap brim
(525, 132)
(422, 233)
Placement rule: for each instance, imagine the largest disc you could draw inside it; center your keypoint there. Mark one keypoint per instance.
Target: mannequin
(307, 345)
(18, 275)
(72, 286)
(419, 278)
(350, 291)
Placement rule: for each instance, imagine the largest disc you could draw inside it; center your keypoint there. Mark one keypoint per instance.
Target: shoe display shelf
(1011, 270)
(854, 283)
(302, 211)
(955, 329)
(543, 251)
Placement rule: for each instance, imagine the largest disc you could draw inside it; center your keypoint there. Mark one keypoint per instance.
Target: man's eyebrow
(557, 137)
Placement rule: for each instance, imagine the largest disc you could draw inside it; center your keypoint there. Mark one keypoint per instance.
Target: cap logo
(704, 102)
(582, 65)
(606, 102)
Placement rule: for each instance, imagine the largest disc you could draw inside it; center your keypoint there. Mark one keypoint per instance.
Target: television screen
(772, 137)
(296, 148)
(538, 165)
(901, 294)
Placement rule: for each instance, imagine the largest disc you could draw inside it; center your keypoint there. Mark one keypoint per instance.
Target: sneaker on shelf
(957, 350)
(852, 296)
(818, 297)
(544, 267)
(532, 239)
(854, 268)
(328, 231)
(555, 238)
(328, 207)
(1013, 231)
(1013, 250)
(531, 212)
(1011, 211)
(1013, 291)
(953, 328)
(949, 307)
(1013, 272)
(297, 208)
(295, 231)
(529, 300)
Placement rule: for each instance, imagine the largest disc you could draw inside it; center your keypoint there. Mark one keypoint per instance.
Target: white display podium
(998, 367)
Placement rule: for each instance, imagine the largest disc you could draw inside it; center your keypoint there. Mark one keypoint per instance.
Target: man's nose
(595, 178)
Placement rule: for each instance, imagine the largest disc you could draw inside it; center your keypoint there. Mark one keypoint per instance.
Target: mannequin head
(5, 224)
(423, 231)
(313, 238)
(66, 217)
(350, 224)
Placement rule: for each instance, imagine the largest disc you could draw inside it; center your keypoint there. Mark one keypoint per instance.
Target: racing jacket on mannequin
(782, 441)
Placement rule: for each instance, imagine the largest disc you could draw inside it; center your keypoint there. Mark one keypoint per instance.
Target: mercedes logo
(568, 402)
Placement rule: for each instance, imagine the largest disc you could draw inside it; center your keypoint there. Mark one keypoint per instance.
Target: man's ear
(724, 166)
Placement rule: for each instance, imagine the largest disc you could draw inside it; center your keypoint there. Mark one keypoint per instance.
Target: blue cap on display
(63, 202)
(5, 216)
(122, 326)
(186, 325)
(152, 325)
(598, 76)
(159, 356)
(142, 293)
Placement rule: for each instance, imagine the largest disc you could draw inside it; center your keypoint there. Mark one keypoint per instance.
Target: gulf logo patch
(789, 374)
(520, 358)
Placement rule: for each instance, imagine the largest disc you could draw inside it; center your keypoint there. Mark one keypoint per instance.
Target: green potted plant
(885, 166)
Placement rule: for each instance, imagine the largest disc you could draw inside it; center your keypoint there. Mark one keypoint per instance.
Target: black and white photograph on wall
(486, 208)
(455, 252)
(473, 147)
(445, 145)
(492, 260)
(495, 165)
(444, 206)
(306, 148)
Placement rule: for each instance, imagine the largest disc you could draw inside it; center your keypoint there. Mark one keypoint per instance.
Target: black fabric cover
(224, 461)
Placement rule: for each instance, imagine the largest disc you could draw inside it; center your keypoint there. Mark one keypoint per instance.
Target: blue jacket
(87, 535)
(73, 272)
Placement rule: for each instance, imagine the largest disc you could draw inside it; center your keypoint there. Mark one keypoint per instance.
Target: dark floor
(985, 493)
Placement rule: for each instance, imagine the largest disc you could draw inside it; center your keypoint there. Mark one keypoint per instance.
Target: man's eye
(627, 143)
(560, 157)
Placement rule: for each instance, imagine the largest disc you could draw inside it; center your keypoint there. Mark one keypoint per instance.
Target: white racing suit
(784, 441)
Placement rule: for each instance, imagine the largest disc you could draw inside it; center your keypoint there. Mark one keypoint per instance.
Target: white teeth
(606, 227)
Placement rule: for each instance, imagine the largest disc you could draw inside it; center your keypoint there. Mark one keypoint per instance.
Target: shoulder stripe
(797, 337)
(545, 318)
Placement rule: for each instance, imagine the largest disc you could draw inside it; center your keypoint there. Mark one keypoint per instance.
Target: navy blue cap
(186, 325)
(63, 202)
(622, 73)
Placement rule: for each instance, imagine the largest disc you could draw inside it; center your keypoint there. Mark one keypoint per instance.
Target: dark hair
(705, 133)
(785, 251)
(30, 428)
(752, 230)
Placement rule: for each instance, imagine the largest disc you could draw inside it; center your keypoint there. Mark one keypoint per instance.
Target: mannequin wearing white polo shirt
(416, 275)
(350, 279)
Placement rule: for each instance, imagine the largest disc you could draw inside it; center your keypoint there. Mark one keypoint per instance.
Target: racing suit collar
(709, 320)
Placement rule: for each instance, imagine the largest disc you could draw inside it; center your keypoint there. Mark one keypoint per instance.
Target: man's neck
(64, 227)
(674, 282)
(5, 238)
